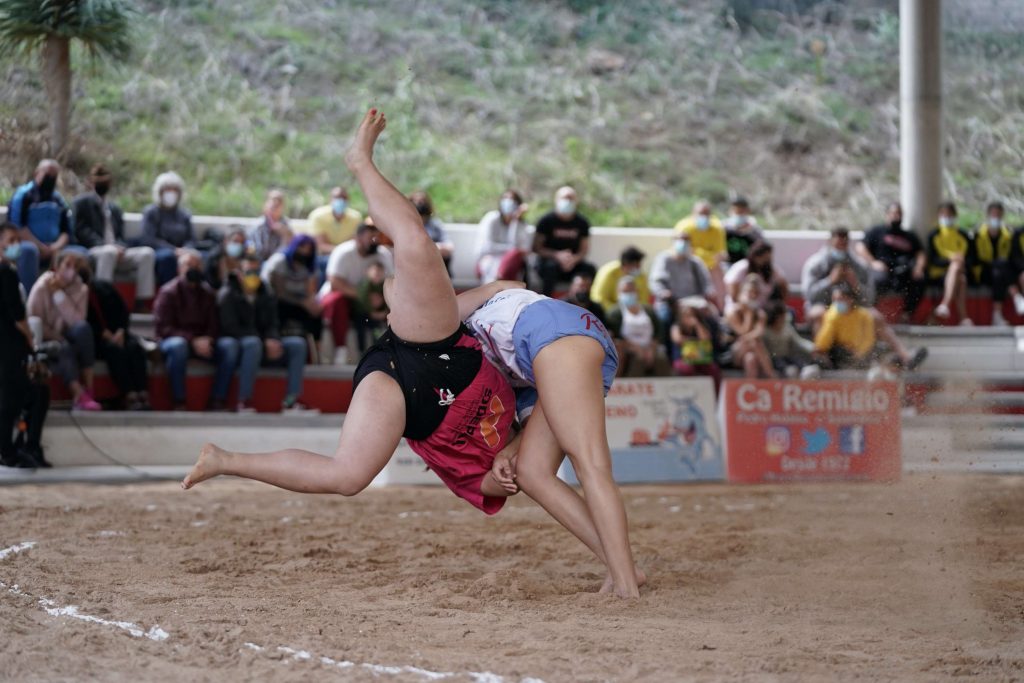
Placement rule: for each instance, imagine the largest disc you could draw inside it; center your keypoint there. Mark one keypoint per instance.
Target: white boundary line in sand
(304, 656)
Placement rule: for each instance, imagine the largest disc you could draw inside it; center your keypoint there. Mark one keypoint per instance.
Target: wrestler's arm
(472, 299)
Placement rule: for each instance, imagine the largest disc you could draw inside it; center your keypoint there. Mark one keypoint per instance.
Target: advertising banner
(800, 431)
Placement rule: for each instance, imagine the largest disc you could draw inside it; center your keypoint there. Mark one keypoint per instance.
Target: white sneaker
(812, 371)
(1018, 303)
(341, 355)
(942, 311)
(966, 322)
(997, 318)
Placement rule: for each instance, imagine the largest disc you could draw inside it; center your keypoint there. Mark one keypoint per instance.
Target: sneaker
(19, 459)
(296, 407)
(812, 371)
(245, 407)
(85, 401)
(966, 322)
(916, 358)
(341, 355)
(997, 318)
(942, 311)
(36, 454)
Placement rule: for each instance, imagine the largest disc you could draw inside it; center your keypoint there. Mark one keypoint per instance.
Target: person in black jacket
(250, 334)
(126, 359)
(99, 227)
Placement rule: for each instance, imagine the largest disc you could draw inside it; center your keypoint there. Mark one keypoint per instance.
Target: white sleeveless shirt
(492, 325)
(637, 328)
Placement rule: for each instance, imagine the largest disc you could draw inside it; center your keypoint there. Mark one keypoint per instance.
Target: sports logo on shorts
(489, 424)
(446, 397)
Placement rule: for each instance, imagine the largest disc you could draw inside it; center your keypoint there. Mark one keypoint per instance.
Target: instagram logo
(776, 440)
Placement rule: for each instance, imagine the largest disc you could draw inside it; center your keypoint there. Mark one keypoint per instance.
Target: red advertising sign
(798, 431)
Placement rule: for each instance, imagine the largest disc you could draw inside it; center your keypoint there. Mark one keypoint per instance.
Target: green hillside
(645, 105)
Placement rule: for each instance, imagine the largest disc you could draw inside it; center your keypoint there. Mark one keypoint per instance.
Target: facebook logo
(851, 440)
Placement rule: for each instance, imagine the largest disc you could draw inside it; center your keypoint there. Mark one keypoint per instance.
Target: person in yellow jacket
(847, 337)
(707, 239)
(605, 290)
(993, 242)
(950, 249)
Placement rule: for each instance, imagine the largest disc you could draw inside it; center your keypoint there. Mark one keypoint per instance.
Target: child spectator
(503, 240)
(949, 251)
(435, 228)
(695, 340)
(117, 346)
(273, 232)
(741, 230)
(846, 339)
(606, 282)
(562, 242)
(991, 266)
(707, 238)
(791, 354)
(747, 321)
(166, 226)
(635, 329)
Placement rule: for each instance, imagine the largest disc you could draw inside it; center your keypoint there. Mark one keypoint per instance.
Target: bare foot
(360, 152)
(609, 585)
(208, 465)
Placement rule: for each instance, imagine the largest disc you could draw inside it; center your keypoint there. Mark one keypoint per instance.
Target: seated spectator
(1016, 286)
(828, 267)
(346, 271)
(292, 277)
(60, 300)
(579, 294)
(696, 340)
(249, 335)
(44, 218)
(792, 355)
(678, 274)
(773, 284)
(562, 242)
(226, 257)
(126, 359)
(166, 226)
(185, 314)
(434, 227)
(503, 240)
(273, 232)
(634, 328)
(846, 339)
(372, 305)
(606, 282)
(949, 250)
(707, 237)
(18, 391)
(747, 321)
(991, 265)
(741, 230)
(99, 227)
(896, 260)
(331, 225)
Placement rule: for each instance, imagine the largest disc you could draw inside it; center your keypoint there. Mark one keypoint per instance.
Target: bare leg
(421, 296)
(886, 334)
(961, 293)
(949, 285)
(369, 436)
(568, 374)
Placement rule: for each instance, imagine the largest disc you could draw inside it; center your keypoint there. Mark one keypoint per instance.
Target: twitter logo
(815, 442)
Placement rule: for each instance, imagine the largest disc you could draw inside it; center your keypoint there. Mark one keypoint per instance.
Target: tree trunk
(57, 80)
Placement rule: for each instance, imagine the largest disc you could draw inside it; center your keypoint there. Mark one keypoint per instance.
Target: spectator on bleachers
(292, 277)
(273, 232)
(110, 318)
(561, 242)
(635, 329)
(226, 257)
(166, 226)
(332, 224)
(503, 240)
(60, 300)
(18, 391)
(678, 274)
(606, 282)
(185, 315)
(695, 338)
(1016, 286)
(746, 319)
(249, 335)
(434, 227)
(829, 266)
(773, 283)
(372, 305)
(44, 218)
(579, 294)
(846, 339)
(741, 230)
(791, 354)
(991, 267)
(896, 259)
(707, 238)
(99, 227)
(949, 251)
(346, 271)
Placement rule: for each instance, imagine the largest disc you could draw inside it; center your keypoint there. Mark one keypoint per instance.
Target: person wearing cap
(99, 227)
(605, 290)
(561, 242)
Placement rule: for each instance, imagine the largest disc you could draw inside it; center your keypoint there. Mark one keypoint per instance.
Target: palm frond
(103, 27)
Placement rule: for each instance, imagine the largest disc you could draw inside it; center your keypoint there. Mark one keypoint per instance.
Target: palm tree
(48, 27)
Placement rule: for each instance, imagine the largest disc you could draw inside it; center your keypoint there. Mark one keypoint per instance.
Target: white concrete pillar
(920, 112)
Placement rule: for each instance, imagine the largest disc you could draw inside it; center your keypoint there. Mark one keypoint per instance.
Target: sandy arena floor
(923, 580)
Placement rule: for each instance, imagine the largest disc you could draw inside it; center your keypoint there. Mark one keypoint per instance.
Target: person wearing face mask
(896, 260)
(339, 295)
(503, 240)
(435, 229)
(741, 230)
(847, 338)
(561, 242)
(606, 283)
(167, 226)
(990, 265)
(747, 322)
(707, 239)
(226, 257)
(332, 224)
(678, 274)
(636, 331)
(758, 262)
(950, 249)
(292, 277)
(122, 351)
(99, 227)
(273, 232)
(250, 336)
(44, 218)
(60, 299)
(185, 316)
